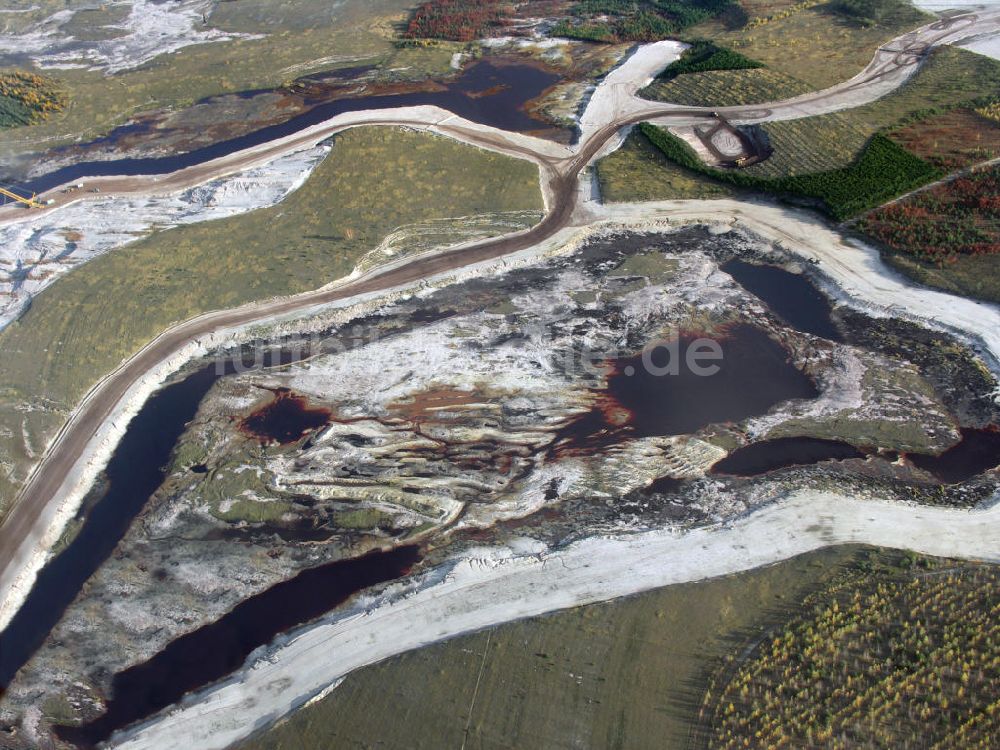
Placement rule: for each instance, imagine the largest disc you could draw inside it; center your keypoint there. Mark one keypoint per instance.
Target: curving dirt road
(24, 526)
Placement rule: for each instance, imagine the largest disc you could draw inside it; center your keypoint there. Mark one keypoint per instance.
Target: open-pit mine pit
(633, 383)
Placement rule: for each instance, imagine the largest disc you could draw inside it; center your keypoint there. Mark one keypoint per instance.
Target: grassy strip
(881, 172)
(703, 55)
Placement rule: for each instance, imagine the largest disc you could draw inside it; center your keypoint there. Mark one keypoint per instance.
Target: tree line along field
(26, 98)
(897, 659)
(75, 330)
(882, 171)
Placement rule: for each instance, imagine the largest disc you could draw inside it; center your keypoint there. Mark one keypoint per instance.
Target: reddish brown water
(754, 375)
(284, 419)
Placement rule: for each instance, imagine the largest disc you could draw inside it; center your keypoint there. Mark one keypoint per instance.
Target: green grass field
(726, 88)
(626, 674)
(639, 171)
(83, 326)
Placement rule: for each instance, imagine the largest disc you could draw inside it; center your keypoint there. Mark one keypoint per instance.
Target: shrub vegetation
(703, 55)
(903, 660)
(960, 217)
(635, 20)
(460, 20)
(26, 98)
(882, 171)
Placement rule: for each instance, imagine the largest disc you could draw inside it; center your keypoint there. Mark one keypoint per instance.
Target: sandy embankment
(501, 586)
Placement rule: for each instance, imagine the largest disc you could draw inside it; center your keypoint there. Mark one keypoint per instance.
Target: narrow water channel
(219, 648)
(487, 92)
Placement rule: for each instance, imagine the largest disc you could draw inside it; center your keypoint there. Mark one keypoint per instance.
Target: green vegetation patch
(638, 171)
(374, 180)
(725, 88)
(883, 659)
(882, 171)
(26, 98)
(704, 55)
(635, 20)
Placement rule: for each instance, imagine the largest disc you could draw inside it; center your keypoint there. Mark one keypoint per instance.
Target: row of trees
(882, 171)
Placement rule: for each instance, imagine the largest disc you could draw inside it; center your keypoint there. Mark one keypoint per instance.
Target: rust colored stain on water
(754, 375)
(284, 419)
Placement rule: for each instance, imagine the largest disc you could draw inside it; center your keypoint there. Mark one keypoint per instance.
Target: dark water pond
(754, 374)
(136, 469)
(219, 648)
(978, 452)
(489, 92)
(284, 419)
(780, 453)
(790, 296)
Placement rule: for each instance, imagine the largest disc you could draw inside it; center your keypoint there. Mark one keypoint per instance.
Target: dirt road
(21, 532)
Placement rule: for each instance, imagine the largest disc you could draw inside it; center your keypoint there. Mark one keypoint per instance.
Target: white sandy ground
(616, 94)
(476, 591)
(151, 29)
(35, 253)
(18, 577)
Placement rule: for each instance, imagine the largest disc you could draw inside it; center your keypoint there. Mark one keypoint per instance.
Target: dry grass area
(726, 88)
(812, 44)
(976, 276)
(626, 674)
(639, 171)
(373, 181)
(951, 140)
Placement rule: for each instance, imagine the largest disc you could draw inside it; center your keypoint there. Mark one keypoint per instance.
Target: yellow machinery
(29, 202)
